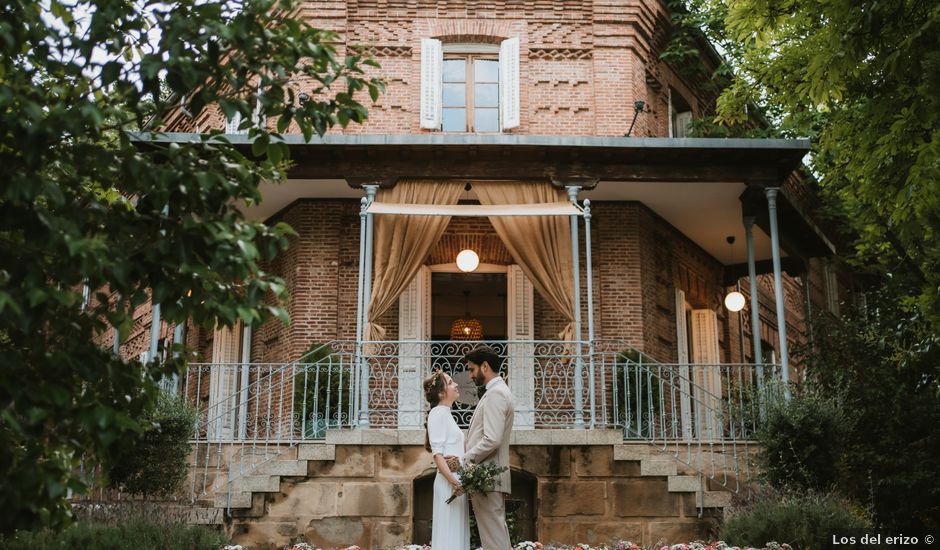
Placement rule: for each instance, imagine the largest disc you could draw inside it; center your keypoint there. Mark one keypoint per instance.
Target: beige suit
(488, 442)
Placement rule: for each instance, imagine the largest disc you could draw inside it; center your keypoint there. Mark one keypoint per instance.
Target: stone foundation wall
(378, 496)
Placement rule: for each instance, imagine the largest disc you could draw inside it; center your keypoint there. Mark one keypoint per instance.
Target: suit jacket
(490, 427)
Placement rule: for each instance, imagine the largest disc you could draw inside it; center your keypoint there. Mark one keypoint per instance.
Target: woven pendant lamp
(466, 327)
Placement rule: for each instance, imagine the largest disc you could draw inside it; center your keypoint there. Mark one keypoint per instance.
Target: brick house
(635, 384)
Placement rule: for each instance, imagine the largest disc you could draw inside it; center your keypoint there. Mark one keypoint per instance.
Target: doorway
(472, 296)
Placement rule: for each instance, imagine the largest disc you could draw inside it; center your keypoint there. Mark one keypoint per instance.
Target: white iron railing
(249, 414)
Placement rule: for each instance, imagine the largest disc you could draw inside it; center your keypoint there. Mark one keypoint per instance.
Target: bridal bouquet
(478, 478)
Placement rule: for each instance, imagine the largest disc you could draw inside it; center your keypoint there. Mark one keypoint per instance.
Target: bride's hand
(458, 489)
(453, 463)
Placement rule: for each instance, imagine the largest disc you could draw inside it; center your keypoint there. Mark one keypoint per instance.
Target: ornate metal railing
(249, 414)
(704, 416)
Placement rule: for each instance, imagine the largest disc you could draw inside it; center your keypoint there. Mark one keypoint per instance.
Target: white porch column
(573, 191)
(154, 329)
(366, 298)
(778, 288)
(755, 302)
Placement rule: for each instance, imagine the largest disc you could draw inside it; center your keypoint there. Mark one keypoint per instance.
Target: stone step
(238, 500)
(714, 499)
(257, 483)
(283, 468)
(634, 452)
(316, 451)
(658, 467)
(684, 484)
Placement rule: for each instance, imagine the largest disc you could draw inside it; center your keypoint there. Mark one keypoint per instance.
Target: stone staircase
(655, 463)
(246, 495)
(246, 499)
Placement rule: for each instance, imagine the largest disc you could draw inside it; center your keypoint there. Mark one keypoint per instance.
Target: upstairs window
(470, 99)
(469, 87)
(680, 115)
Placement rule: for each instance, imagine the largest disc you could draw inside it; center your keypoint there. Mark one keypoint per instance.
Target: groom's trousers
(490, 511)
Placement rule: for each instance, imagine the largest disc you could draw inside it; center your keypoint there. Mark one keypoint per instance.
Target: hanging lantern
(734, 301)
(467, 261)
(466, 329)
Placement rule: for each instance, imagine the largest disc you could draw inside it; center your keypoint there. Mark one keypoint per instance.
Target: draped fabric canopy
(402, 242)
(537, 237)
(540, 245)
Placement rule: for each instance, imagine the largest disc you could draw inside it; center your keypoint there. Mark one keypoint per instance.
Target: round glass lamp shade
(467, 261)
(734, 301)
(466, 329)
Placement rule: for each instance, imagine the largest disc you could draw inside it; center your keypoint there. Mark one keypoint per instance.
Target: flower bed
(531, 545)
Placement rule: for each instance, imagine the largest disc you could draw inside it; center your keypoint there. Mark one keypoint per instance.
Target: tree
(82, 206)
(862, 81)
(882, 362)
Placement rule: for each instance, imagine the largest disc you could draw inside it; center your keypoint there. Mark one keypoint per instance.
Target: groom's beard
(479, 380)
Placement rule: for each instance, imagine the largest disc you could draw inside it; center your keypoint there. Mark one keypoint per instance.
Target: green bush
(132, 535)
(155, 464)
(883, 359)
(804, 520)
(802, 441)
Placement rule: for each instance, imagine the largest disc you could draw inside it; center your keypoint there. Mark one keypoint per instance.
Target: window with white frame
(680, 115)
(469, 87)
(233, 124)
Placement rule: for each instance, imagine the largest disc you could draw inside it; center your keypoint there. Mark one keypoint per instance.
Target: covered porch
(706, 189)
(673, 394)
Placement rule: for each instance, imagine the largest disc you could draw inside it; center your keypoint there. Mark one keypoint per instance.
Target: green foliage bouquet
(478, 478)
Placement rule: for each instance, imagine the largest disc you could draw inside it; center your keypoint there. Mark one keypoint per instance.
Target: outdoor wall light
(638, 107)
(734, 301)
(467, 261)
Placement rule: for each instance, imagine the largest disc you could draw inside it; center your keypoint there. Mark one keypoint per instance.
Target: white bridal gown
(450, 528)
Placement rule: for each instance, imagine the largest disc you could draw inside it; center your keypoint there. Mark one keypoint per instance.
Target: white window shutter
(707, 379)
(223, 382)
(683, 120)
(414, 330)
(521, 351)
(232, 124)
(258, 119)
(705, 349)
(509, 83)
(682, 335)
(682, 345)
(432, 61)
(521, 305)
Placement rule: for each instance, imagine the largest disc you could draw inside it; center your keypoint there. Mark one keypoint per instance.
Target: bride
(450, 528)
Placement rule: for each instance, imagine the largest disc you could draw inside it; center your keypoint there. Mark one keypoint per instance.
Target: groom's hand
(453, 463)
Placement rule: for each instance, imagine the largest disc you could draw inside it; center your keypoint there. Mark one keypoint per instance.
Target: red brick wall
(582, 64)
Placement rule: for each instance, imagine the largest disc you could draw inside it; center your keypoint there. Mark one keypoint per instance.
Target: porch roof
(367, 158)
(691, 182)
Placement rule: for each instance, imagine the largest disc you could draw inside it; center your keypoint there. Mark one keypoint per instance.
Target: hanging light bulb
(467, 261)
(734, 301)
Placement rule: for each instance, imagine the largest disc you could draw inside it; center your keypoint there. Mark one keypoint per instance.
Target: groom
(488, 441)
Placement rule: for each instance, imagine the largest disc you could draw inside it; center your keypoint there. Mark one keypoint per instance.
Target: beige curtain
(541, 245)
(401, 243)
